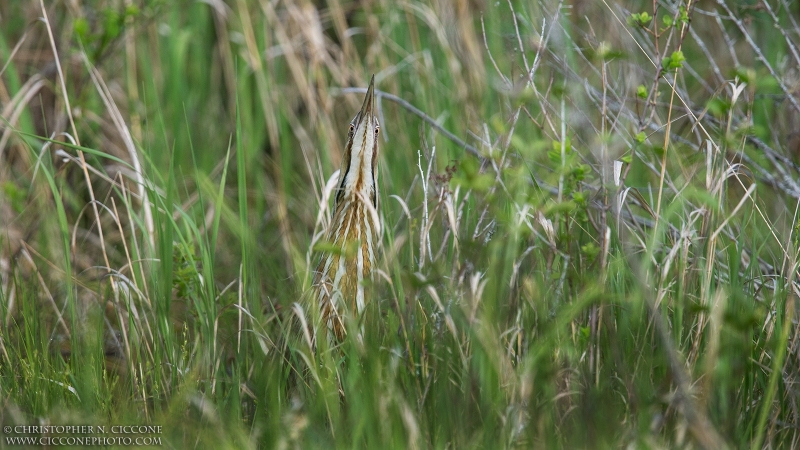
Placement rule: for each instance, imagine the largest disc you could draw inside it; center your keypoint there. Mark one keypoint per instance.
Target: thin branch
(416, 111)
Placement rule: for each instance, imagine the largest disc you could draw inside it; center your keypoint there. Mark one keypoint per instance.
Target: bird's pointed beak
(368, 108)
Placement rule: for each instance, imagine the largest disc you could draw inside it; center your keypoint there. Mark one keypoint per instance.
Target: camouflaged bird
(354, 227)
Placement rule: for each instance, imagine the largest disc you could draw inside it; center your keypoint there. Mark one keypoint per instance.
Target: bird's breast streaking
(354, 227)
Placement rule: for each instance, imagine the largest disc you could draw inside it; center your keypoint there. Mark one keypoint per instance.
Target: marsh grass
(606, 255)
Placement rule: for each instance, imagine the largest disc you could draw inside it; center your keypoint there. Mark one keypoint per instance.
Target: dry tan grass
(554, 243)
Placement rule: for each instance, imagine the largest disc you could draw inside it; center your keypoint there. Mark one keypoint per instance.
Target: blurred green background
(605, 258)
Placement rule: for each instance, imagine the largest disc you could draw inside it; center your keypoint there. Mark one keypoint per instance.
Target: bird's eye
(377, 129)
(352, 128)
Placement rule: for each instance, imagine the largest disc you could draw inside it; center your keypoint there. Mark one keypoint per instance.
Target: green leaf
(642, 19)
(745, 74)
(641, 91)
(469, 177)
(567, 145)
(15, 194)
(579, 173)
(113, 24)
(590, 250)
(563, 207)
(579, 198)
(684, 15)
(132, 11)
(718, 107)
(606, 52)
(675, 60)
(81, 28)
(348, 250)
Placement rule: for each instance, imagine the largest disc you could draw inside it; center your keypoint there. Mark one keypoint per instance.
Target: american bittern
(354, 227)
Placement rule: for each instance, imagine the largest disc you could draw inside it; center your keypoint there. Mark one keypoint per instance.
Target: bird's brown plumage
(354, 227)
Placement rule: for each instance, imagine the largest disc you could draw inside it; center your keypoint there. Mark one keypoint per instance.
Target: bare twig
(417, 112)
